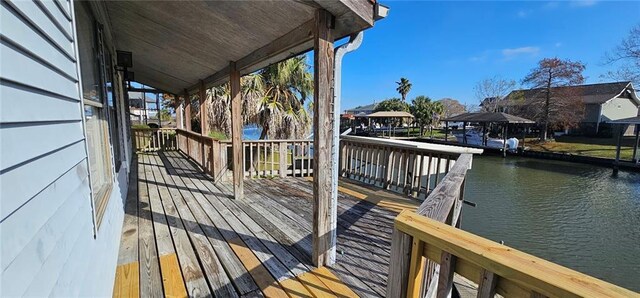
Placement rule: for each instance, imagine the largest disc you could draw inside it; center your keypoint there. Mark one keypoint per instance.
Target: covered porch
(184, 235)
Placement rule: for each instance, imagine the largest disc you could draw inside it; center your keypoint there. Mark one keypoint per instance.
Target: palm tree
(287, 85)
(273, 98)
(404, 86)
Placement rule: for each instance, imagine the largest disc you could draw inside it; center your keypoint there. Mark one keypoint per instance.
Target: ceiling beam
(355, 16)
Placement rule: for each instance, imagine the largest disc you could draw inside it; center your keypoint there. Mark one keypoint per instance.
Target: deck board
(183, 234)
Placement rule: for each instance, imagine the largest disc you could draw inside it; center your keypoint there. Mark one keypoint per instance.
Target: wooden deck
(183, 235)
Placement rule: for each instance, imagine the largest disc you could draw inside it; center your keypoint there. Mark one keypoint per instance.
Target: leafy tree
(491, 91)
(557, 106)
(165, 115)
(627, 53)
(404, 86)
(421, 110)
(393, 104)
(424, 111)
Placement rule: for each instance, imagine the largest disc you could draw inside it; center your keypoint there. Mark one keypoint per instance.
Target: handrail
(494, 267)
(265, 158)
(409, 271)
(412, 168)
(153, 139)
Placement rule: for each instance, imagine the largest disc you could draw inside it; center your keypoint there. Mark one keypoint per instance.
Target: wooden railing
(268, 158)
(427, 248)
(408, 167)
(496, 268)
(153, 139)
(408, 272)
(262, 158)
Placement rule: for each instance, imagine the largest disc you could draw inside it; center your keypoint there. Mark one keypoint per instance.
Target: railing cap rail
(539, 275)
(437, 148)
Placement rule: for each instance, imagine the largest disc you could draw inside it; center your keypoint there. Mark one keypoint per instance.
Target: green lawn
(596, 147)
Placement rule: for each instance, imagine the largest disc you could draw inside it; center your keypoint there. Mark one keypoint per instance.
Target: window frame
(99, 197)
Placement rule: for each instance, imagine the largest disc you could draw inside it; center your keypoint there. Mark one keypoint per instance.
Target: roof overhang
(178, 45)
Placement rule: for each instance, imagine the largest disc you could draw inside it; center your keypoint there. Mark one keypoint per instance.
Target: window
(92, 74)
(114, 125)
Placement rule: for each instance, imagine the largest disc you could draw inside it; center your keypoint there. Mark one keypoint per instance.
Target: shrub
(138, 126)
(218, 135)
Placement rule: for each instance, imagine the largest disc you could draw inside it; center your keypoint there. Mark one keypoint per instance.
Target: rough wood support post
(179, 111)
(323, 238)
(204, 112)
(399, 266)
(236, 131)
(187, 110)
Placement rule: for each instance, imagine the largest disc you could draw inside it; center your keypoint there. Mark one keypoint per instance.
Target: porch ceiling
(175, 44)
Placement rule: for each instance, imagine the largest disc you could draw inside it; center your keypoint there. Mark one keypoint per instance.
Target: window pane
(88, 54)
(96, 127)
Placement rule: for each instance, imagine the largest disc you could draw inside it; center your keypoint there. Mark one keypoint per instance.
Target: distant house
(603, 102)
(362, 110)
(141, 110)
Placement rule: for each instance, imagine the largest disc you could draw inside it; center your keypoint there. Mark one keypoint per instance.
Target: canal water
(575, 215)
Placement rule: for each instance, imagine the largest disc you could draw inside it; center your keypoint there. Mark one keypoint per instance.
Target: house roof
(590, 94)
(390, 114)
(178, 45)
(488, 117)
(631, 120)
(134, 95)
(369, 107)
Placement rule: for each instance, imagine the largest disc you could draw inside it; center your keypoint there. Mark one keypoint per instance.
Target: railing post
(283, 159)
(399, 266)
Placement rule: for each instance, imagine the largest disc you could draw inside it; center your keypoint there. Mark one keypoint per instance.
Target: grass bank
(585, 146)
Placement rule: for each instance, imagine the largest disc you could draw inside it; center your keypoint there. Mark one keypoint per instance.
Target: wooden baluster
(309, 155)
(417, 173)
(438, 169)
(365, 170)
(535, 294)
(282, 163)
(303, 155)
(487, 285)
(250, 144)
(406, 185)
(401, 157)
(377, 173)
(264, 168)
(417, 267)
(246, 169)
(361, 163)
(389, 167)
(445, 278)
(420, 172)
(272, 149)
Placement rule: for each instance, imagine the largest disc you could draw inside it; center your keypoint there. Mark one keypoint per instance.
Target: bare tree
(491, 91)
(556, 106)
(626, 53)
(452, 107)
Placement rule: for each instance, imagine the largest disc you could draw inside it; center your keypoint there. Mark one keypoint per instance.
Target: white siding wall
(46, 226)
(619, 108)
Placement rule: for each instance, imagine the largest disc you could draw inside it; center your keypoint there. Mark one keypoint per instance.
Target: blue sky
(444, 48)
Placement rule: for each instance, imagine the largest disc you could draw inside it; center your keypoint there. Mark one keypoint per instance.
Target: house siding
(47, 234)
(619, 108)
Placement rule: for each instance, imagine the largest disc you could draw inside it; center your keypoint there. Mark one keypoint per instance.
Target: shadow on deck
(184, 235)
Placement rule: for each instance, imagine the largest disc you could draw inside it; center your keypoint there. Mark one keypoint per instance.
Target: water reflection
(574, 214)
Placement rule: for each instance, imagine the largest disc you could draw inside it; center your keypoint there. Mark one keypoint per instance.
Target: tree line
(556, 106)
